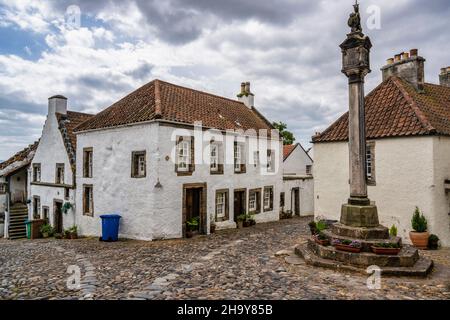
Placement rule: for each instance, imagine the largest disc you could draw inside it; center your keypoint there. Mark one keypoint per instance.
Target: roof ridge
(417, 111)
(199, 91)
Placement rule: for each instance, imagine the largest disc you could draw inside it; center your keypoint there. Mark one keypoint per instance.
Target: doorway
(296, 201)
(58, 216)
(240, 202)
(194, 206)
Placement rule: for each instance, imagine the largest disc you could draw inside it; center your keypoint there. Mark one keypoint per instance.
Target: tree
(287, 136)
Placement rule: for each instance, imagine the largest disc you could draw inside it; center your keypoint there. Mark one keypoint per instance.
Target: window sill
(184, 173)
(138, 177)
(216, 172)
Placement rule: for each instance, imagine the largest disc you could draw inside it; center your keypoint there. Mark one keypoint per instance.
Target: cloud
(288, 49)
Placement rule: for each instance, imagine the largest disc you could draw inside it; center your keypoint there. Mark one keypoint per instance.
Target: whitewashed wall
(51, 150)
(150, 213)
(2, 198)
(295, 167)
(306, 187)
(409, 172)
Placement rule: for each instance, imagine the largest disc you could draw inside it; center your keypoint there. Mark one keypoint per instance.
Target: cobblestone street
(232, 264)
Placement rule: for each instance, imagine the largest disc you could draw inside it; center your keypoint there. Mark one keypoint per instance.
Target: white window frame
(252, 202)
(266, 201)
(270, 165)
(141, 164)
(36, 172)
(256, 158)
(237, 157)
(214, 157)
(220, 204)
(183, 158)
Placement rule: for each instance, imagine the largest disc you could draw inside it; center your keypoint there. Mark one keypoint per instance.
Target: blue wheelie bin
(110, 227)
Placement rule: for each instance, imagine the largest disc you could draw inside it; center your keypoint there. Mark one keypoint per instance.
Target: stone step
(366, 244)
(407, 257)
(421, 268)
(379, 232)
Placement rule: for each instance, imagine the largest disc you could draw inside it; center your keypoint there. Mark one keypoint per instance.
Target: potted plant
(240, 220)
(393, 231)
(433, 242)
(73, 232)
(382, 248)
(347, 245)
(66, 234)
(321, 239)
(46, 230)
(419, 237)
(312, 227)
(249, 221)
(59, 235)
(192, 227)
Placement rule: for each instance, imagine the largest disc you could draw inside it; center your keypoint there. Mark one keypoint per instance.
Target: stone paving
(253, 263)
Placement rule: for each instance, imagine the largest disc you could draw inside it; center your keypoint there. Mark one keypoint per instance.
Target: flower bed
(391, 249)
(347, 245)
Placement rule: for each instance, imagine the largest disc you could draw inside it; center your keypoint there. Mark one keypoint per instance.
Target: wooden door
(239, 203)
(296, 198)
(58, 217)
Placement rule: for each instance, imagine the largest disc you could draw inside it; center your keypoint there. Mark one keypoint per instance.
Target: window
(239, 159)
(282, 199)
(370, 163)
(59, 173)
(309, 169)
(45, 211)
(138, 164)
(87, 162)
(36, 207)
(36, 172)
(2, 188)
(66, 193)
(256, 158)
(185, 155)
(214, 157)
(221, 205)
(268, 198)
(88, 201)
(270, 160)
(254, 201)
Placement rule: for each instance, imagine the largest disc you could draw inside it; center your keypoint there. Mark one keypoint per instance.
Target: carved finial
(354, 22)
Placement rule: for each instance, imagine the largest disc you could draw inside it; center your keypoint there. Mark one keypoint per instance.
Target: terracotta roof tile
(396, 109)
(24, 156)
(287, 149)
(162, 100)
(67, 123)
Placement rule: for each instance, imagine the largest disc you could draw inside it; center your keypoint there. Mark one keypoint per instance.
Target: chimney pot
(246, 96)
(444, 70)
(397, 57)
(57, 104)
(414, 52)
(242, 87)
(247, 87)
(390, 61)
(405, 55)
(448, 69)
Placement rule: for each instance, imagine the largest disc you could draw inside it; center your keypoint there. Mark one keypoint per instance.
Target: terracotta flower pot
(386, 251)
(419, 239)
(325, 242)
(344, 247)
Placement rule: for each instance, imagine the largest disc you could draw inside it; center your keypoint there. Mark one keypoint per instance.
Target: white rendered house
(147, 158)
(298, 182)
(52, 171)
(408, 151)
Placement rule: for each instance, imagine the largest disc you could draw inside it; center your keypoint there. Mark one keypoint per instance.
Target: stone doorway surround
(202, 188)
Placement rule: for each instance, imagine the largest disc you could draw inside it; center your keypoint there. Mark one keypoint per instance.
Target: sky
(287, 49)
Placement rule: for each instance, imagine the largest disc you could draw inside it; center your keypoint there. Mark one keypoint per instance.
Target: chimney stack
(57, 104)
(444, 77)
(246, 96)
(408, 66)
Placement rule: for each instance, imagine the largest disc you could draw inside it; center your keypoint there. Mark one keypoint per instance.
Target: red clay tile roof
(287, 149)
(67, 124)
(396, 109)
(24, 156)
(166, 101)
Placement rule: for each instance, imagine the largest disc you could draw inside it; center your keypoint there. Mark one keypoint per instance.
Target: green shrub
(320, 226)
(46, 228)
(393, 231)
(387, 245)
(193, 223)
(241, 217)
(418, 221)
